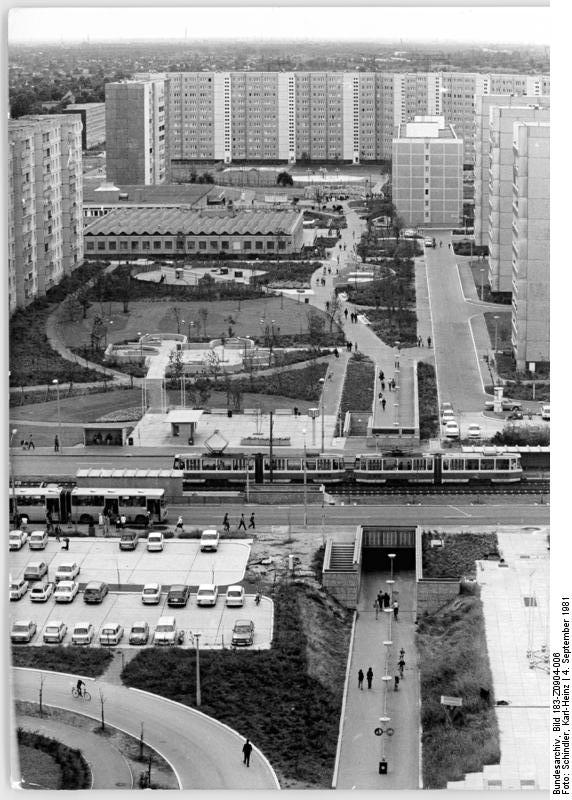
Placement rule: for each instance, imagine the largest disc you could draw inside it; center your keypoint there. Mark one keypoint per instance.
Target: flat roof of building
(99, 193)
(173, 221)
(183, 416)
(83, 106)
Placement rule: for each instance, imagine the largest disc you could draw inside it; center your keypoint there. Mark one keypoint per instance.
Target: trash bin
(383, 767)
(306, 300)
(130, 441)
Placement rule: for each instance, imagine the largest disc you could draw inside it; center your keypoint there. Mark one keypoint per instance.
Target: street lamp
(197, 636)
(391, 556)
(322, 382)
(57, 385)
(496, 319)
(305, 483)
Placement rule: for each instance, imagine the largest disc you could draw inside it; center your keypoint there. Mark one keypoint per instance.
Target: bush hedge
(74, 771)
(459, 555)
(359, 385)
(428, 405)
(300, 384)
(91, 661)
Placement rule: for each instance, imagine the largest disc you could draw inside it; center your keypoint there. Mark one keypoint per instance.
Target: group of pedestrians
(396, 679)
(353, 315)
(241, 525)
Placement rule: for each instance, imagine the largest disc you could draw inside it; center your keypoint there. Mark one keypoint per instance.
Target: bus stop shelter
(110, 434)
(181, 417)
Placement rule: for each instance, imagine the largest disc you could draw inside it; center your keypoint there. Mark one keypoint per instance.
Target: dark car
(129, 540)
(95, 591)
(243, 633)
(139, 633)
(178, 595)
(516, 414)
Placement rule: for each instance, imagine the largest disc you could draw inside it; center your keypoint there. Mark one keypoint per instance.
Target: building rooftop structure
(426, 127)
(170, 194)
(174, 221)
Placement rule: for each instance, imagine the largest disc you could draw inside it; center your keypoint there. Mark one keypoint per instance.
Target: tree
(23, 103)
(335, 310)
(177, 366)
(316, 325)
(284, 179)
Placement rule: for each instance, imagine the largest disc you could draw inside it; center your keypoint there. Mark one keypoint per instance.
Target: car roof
(244, 622)
(82, 624)
(23, 621)
(110, 625)
(140, 623)
(235, 586)
(207, 586)
(151, 585)
(66, 584)
(55, 622)
(95, 584)
(178, 587)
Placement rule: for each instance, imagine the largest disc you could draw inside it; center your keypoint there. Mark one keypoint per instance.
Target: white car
(474, 432)
(18, 588)
(66, 591)
(67, 571)
(451, 430)
(111, 633)
(23, 631)
(207, 594)
(235, 596)
(82, 633)
(209, 540)
(448, 415)
(151, 594)
(428, 242)
(545, 413)
(17, 539)
(41, 592)
(55, 632)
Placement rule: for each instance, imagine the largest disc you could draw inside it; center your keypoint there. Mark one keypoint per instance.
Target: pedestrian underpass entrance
(369, 550)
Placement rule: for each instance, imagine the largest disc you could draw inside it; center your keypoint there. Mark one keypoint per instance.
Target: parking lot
(214, 623)
(181, 561)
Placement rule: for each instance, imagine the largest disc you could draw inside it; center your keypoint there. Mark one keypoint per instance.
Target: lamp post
(57, 385)
(197, 636)
(496, 319)
(322, 382)
(305, 483)
(247, 459)
(391, 557)
(482, 284)
(13, 433)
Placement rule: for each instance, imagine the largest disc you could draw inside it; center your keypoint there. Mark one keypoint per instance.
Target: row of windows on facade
(169, 244)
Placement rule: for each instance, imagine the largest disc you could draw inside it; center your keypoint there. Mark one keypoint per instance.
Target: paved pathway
(361, 750)
(204, 753)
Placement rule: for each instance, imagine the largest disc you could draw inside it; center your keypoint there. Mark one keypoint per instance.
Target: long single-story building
(159, 232)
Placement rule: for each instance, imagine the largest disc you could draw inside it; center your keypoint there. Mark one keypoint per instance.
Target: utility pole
(271, 444)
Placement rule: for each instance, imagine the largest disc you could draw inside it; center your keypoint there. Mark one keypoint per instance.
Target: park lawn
(87, 408)
(43, 435)
(290, 316)
(265, 402)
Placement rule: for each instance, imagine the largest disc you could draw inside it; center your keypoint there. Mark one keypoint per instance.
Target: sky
(492, 24)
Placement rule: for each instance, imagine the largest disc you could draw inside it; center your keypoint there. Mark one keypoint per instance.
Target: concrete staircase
(342, 557)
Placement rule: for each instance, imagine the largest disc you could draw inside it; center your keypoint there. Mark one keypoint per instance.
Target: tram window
(457, 464)
(502, 463)
(209, 464)
(514, 463)
(389, 464)
(404, 464)
(179, 463)
(324, 464)
(472, 464)
(311, 464)
(190, 464)
(374, 464)
(297, 464)
(487, 463)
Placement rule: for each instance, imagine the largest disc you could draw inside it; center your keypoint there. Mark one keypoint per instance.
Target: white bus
(34, 502)
(87, 504)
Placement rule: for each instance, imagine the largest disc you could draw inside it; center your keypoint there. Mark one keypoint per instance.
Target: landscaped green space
(49, 764)
(428, 405)
(453, 661)
(89, 409)
(91, 661)
(359, 385)
(480, 271)
(287, 699)
(397, 325)
(458, 556)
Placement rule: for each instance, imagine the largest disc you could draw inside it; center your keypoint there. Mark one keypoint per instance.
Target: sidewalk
(361, 749)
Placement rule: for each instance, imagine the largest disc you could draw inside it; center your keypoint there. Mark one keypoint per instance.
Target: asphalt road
(204, 753)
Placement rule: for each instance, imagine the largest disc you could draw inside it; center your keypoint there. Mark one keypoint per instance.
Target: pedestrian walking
(251, 523)
(350, 346)
(226, 523)
(383, 386)
(242, 523)
(381, 375)
(355, 347)
(393, 384)
(380, 599)
(117, 520)
(376, 607)
(396, 684)
(246, 751)
(369, 676)
(440, 243)
(396, 362)
(336, 353)
(428, 341)
(395, 609)
(401, 665)
(360, 679)
(147, 519)
(380, 396)
(123, 521)
(100, 522)
(31, 445)
(383, 403)
(56, 444)
(179, 525)
(386, 600)
(66, 544)
(105, 522)
(345, 313)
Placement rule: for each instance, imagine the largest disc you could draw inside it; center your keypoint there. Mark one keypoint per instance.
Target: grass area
(394, 325)
(513, 435)
(453, 661)
(457, 558)
(43, 435)
(39, 769)
(467, 247)
(482, 286)
(286, 699)
(91, 661)
(394, 290)
(358, 385)
(298, 384)
(428, 405)
(73, 770)
(90, 409)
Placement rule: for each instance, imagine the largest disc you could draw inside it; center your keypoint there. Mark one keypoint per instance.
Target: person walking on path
(360, 679)
(376, 607)
(56, 444)
(386, 599)
(428, 341)
(383, 403)
(251, 523)
(382, 386)
(31, 445)
(346, 313)
(242, 523)
(395, 610)
(105, 522)
(147, 519)
(396, 684)
(226, 523)
(246, 751)
(369, 676)
(381, 376)
(401, 665)
(179, 525)
(355, 347)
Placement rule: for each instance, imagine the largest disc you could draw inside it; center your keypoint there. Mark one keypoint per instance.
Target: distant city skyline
(489, 25)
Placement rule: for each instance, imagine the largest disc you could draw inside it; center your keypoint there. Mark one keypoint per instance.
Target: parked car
(55, 632)
(448, 415)
(545, 413)
(178, 595)
(67, 571)
(151, 594)
(209, 540)
(507, 404)
(66, 591)
(83, 633)
(474, 432)
(38, 540)
(18, 588)
(243, 633)
(22, 631)
(111, 633)
(446, 406)
(129, 540)
(155, 541)
(235, 596)
(516, 414)
(17, 539)
(428, 242)
(207, 594)
(166, 632)
(451, 430)
(41, 592)
(35, 570)
(95, 591)
(139, 633)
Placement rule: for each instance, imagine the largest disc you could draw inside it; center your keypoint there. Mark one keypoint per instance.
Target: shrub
(75, 773)
(428, 406)
(459, 555)
(91, 661)
(359, 385)
(300, 384)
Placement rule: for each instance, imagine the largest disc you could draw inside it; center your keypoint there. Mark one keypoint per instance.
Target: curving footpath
(204, 753)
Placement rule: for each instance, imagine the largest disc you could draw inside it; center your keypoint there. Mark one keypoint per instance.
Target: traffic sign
(390, 731)
(378, 732)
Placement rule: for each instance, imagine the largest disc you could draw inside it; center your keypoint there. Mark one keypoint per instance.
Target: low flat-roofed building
(93, 121)
(101, 198)
(176, 232)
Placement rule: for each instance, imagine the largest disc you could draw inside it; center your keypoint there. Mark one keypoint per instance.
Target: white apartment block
(45, 216)
(482, 141)
(531, 243)
(93, 121)
(500, 188)
(137, 140)
(319, 116)
(427, 173)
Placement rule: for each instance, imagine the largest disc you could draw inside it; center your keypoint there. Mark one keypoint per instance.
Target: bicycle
(85, 695)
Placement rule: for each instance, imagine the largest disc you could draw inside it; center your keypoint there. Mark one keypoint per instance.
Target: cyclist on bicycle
(80, 686)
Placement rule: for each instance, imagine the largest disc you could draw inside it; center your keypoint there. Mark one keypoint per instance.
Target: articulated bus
(87, 504)
(34, 502)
